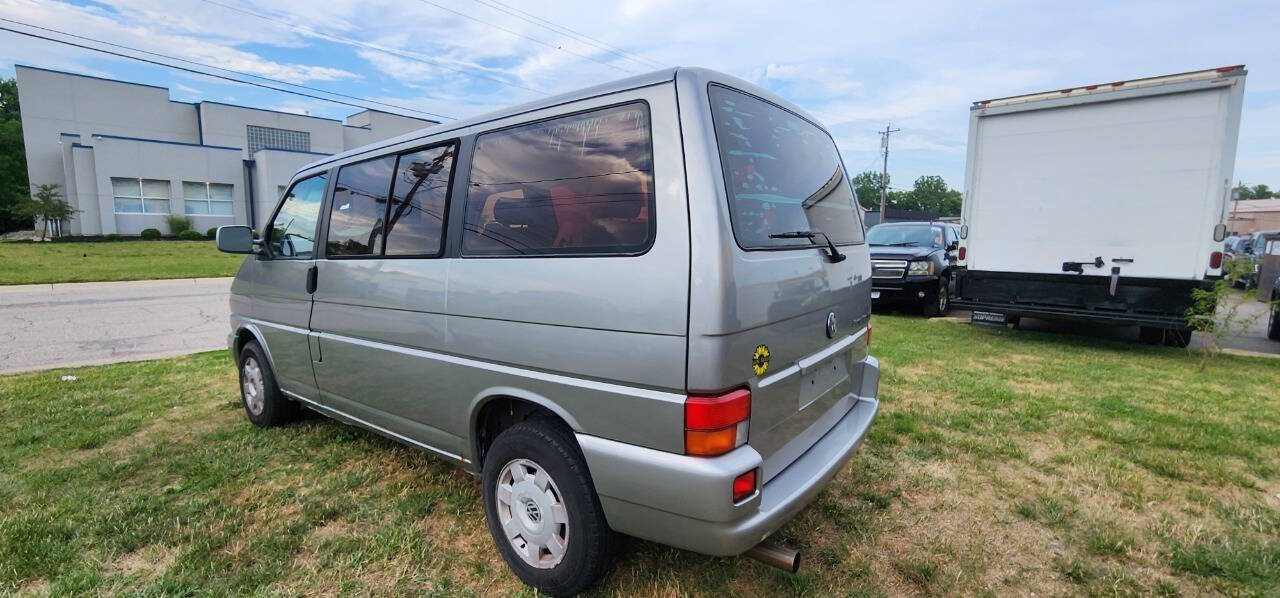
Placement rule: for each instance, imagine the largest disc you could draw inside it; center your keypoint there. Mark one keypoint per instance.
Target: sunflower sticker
(760, 360)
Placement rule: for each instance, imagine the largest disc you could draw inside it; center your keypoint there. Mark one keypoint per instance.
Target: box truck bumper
(1156, 302)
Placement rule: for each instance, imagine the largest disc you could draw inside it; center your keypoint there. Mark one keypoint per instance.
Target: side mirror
(234, 239)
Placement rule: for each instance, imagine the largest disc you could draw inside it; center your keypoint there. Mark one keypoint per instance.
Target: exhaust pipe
(775, 556)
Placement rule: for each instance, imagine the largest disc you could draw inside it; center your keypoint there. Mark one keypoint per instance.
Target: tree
(46, 205)
(867, 186)
(1255, 192)
(930, 193)
(13, 160)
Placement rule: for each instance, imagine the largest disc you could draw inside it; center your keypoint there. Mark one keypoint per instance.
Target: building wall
(54, 103)
(1247, 216)
(81, 131)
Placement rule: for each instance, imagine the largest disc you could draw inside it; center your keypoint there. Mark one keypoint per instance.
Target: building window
(207, 198)
(140, 196)
(281, 139)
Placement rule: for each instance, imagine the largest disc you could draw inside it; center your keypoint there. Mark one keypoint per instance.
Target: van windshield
(782, 174)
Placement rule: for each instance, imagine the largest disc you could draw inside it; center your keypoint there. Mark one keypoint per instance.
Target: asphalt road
(49, 326)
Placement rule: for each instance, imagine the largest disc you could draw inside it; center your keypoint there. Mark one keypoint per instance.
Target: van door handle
(311, 279)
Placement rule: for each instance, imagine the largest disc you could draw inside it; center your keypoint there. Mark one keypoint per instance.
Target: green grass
(32, 263)
(1003, 462)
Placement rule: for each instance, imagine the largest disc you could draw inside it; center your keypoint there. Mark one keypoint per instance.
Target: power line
(189, 70)
(362, 44)
(180, 59)
(561, 29)
(521, 35)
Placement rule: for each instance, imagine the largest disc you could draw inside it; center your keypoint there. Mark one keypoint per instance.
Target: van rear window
(580, 184)
(782, 174)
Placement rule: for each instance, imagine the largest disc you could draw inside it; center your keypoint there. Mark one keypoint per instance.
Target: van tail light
(744, 486)
(960, 254)
(716, 424)
(1215, 260)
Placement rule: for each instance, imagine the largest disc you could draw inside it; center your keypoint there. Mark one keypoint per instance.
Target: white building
(126, 156)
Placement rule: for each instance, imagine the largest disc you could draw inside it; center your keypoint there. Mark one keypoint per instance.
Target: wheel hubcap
(532, 513)
(251, 385)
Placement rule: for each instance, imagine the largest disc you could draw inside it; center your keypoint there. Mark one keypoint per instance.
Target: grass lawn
(1003, 462)
(30, 263)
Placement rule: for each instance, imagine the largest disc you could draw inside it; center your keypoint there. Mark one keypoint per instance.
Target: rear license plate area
(824, 377)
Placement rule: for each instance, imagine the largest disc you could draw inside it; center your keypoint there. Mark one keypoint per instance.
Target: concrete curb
(72, 287)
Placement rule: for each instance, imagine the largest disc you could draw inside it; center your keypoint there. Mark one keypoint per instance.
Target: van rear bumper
(687, 502)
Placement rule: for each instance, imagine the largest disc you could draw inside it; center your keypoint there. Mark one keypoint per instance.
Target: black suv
(912, 261)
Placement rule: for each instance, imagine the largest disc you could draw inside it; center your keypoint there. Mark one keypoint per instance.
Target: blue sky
(856, 65)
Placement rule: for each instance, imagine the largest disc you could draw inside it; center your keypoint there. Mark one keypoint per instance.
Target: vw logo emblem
(531, 510)
(831, 324)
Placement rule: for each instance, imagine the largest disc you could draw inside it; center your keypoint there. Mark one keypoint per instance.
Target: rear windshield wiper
(834, 256)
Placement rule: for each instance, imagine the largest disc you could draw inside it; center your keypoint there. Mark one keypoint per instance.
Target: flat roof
(1113, 86)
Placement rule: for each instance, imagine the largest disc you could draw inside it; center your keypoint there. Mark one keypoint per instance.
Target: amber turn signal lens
(708, 443)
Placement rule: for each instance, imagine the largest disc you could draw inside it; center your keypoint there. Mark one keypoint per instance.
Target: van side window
(418, 201)
(359, 206)
(575, 185)
(292, 233)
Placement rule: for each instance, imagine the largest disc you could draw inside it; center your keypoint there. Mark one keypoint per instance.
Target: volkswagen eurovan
(641, 308)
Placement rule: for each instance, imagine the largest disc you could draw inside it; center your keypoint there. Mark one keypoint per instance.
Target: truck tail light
(960, 254)
(717, 424)
(744, 486)
(1215, 260)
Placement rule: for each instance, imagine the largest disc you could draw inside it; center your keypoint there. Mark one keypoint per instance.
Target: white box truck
(1105, 203)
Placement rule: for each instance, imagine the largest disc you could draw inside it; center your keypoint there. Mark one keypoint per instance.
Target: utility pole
(884, 174)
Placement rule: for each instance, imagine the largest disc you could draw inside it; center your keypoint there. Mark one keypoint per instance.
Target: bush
(177, 224)
(150, 234)
(190, 235)
(113, 237)
(212, 233)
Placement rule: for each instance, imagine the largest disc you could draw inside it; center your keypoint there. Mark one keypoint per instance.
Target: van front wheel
(264, 404)
(542, 509)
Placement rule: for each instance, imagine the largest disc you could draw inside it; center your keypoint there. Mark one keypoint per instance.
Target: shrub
(212, 233)
(190, 235)
(113, 237)
(177, 224)
(150, 234)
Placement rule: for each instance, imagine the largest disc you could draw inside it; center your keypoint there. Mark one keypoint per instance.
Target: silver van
(640, 308)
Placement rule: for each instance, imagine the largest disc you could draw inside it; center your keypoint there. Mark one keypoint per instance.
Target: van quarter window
(782, 174)
(293, 231)
(580, 184)
(418, 201)
(359, 206)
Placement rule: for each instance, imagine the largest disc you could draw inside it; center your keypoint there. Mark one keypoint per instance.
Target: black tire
(275, 408)
(1273, 325)
(588, 540)
(939, 300)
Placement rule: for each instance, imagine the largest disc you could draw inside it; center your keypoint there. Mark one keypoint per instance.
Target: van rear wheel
(542, 509)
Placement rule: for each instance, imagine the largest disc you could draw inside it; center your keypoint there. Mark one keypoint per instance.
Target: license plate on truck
(989, 318)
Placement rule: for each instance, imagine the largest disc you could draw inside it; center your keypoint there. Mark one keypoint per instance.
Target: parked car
(642, 307)
(1273, 322)
(912, 262)
(1070, 211)
(1252, 250)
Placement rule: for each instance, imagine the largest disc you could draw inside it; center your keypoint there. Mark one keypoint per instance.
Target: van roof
(699, 76)
(642, 80)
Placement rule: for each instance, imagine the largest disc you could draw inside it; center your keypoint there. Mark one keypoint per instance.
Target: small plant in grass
(150, 234)
(1216, 313)
(212, 233)
(190, 235)
(177, 224)
(113, 237)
